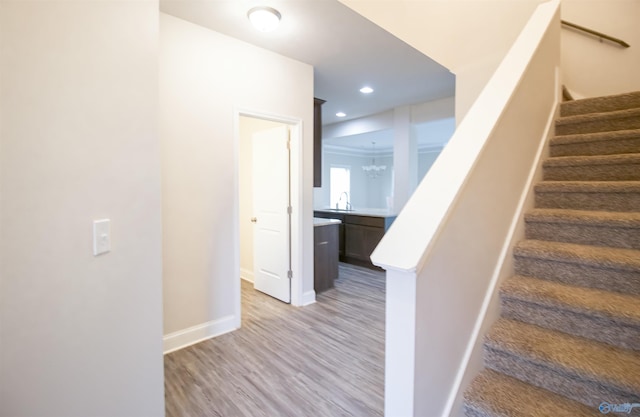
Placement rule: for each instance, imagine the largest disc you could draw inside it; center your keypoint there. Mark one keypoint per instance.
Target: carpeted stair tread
(573, 358)
(595, 137)
(605, 304)
(599, 143)
(600, 104)
(606, 316)
(589, 186)
(600, 218)
(618, 167)
(599, 228)
(599, 122)
(589, 195)
(581, 160)
(598, 256)
(605, 268)
(492, 394)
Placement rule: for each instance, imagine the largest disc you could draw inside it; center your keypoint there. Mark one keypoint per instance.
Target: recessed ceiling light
(366, 90)
(263, 18)
(341, 114)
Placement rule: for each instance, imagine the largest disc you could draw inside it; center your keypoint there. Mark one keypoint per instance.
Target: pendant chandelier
(373, 171)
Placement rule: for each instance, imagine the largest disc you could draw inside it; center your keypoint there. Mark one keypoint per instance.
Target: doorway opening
(270, 255)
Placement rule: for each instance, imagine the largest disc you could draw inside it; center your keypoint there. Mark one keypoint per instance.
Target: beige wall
(592, 68)
(248, 126)
(205, 80)
(469, 37)
(81, 335)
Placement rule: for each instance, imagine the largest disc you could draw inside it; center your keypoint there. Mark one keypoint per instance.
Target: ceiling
(346, 50)
(433, 134)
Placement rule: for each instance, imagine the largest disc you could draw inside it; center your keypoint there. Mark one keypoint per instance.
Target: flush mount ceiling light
(341, 114)
(366, 90)
(264, 18)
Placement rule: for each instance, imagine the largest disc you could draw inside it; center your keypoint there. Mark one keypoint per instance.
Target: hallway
(326, 359)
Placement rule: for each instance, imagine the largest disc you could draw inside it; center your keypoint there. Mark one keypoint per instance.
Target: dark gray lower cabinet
(358, 235)
(361, 236)
(325, 266)
(360, 241)
(338, 216)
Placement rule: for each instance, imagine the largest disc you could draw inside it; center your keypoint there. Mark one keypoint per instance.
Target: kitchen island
(360, 232)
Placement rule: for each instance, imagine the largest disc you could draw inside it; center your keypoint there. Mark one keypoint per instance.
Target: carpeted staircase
(568, 339)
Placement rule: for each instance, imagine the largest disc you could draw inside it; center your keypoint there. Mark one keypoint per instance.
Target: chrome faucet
(347, 206)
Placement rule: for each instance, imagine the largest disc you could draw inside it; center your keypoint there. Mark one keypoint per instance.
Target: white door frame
(295, 125)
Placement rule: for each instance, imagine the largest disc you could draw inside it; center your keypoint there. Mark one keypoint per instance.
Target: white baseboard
(308, 297)
(246, 275)
(192, 335)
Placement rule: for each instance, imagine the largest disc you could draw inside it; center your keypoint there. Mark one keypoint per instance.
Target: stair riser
(494, 394)
(624, 202)
(470, 412)
(623, 281)
(571, 386)
(605, 124)
(583, 234)
(605, 147)
(600, 104)
(577, 324)
(619, 172)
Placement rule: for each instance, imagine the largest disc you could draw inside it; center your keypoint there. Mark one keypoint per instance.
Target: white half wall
(81, 334)
(205, 80)
(591, 68)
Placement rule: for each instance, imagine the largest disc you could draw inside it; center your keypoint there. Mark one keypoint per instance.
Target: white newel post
(400, 329)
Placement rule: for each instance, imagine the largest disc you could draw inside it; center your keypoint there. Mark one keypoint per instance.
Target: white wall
(468, 37)
(248, 127)
(380, 189)
(81, 335)
(426, 158)
(205, 79)
(432, 136)
(592, 68)
(433, 110)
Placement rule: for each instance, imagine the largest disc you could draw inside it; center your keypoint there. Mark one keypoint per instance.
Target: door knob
(254, 220)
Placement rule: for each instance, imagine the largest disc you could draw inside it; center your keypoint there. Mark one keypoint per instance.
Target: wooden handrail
(596, 33)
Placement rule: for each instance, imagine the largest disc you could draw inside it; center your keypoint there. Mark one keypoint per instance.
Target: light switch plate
(101, 236)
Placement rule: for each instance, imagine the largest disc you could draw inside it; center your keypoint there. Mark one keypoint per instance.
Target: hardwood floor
(326, 359)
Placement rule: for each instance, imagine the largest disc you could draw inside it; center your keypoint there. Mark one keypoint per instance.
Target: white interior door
(271, 217)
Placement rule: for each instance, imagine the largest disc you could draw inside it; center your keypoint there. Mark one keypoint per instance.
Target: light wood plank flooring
(326, 359)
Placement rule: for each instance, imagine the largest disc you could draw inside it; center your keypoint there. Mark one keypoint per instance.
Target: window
(339, 183)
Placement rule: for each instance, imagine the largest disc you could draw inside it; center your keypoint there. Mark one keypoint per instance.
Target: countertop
(317, 221)
(372, 212)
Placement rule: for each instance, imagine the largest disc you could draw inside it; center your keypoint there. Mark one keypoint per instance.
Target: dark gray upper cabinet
(317, 142)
